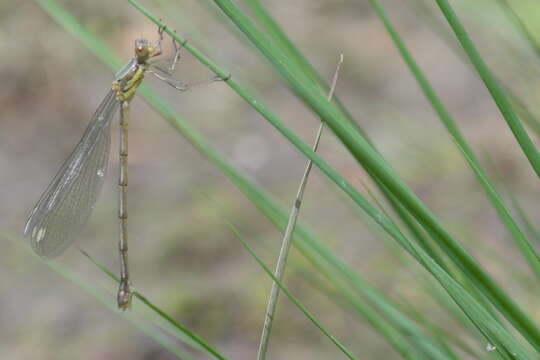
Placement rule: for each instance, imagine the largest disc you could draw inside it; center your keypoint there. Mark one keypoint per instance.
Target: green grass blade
(523, 216)
(275, 32)
(172, 117)
(528, 117)
(365, 154)
(406, 337)
(430, 287)
(104, 54)
(289, 230)
(291, 297)
(104, 299)
(70, 24)
(520, 26)
(520, 239)
(443, 336)
(525, 219)
(482, 319)
(176, 325)
(281, 39)
(332, 174)
(334, 269)
(440, 30)
(412, 226)
(394, 326)
(493, 87)
(385, 306)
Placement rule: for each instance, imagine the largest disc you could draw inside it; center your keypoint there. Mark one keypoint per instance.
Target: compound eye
(141, 51)
(141, 48)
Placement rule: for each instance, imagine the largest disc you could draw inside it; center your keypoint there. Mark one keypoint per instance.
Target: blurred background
(183, 255)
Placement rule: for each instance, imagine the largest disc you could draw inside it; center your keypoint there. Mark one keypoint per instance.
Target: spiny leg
(171, 61)
(176, 54)
(179, 85)
(157, 49)
(175, 83)
(166, 75)
(124, 291)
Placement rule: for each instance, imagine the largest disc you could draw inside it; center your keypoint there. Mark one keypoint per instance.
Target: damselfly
(67, 203)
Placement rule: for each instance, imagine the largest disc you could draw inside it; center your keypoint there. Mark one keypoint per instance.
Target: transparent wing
(67, 203)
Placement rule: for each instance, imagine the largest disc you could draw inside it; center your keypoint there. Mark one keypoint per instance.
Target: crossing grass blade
(104, 54)
(504, 214)
(291, 297)
(103, 297)
(489, 326)
(436, 293)
(364, 153)
(104, 300)
(520, 26)
(383, 314)
(525, 218)
(491, 83)
(184, 331)
(519, 237)
(287, 237)
(280, 38)
(440, 30)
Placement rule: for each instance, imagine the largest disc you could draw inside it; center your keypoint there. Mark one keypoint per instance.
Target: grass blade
(365, 154)
(281, 39)
(291, 297)
(104, 297)
(287, 237)
(490, 327)
(182, 329)
(491, 83)
(520, 26)
(440, 30)
(519, 237)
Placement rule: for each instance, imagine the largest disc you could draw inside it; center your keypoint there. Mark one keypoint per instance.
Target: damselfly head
(143, 49)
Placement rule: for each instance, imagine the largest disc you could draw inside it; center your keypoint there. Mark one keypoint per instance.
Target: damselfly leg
(171, 61)
(166, 75)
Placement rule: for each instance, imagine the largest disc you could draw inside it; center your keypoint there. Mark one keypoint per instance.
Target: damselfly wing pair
(67, 203)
